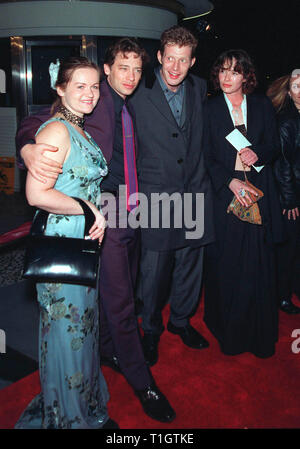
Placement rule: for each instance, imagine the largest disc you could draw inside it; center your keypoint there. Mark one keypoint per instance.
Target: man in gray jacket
(168, 106)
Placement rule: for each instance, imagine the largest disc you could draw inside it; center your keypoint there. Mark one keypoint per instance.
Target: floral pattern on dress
(54, 419)
(74, 392)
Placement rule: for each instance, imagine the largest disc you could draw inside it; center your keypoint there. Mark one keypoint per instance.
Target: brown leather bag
(251, 214)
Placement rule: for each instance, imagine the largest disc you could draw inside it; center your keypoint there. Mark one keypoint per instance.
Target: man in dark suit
(120, 340)
(169, 118)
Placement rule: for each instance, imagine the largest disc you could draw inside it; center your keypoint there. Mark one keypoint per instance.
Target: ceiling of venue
(196, 7)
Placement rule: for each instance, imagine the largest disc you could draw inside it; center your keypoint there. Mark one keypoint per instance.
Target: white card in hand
(239, 141)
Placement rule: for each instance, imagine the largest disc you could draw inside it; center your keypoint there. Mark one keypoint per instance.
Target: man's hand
(248, 157)
(40, 166)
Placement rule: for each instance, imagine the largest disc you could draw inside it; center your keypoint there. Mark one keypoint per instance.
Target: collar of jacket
(150, 78)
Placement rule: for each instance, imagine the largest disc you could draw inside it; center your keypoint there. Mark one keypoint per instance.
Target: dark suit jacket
(100, 124)
(167, 162)
(220, 157)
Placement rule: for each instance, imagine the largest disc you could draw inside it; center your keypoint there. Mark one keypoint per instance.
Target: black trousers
(174, 276)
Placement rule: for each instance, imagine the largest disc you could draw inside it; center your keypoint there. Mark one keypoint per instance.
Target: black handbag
(61, 259)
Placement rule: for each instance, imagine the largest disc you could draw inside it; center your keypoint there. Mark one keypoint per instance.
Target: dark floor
(14, 211)
(18, 306)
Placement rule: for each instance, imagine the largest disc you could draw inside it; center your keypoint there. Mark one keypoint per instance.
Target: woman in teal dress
(73, 390)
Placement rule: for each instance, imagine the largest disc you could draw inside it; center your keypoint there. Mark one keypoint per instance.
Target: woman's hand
(292, 212)
(248, 157)
(240, 189)
(98, 228)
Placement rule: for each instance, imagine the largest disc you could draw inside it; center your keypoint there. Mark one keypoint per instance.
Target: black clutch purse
(61, 259)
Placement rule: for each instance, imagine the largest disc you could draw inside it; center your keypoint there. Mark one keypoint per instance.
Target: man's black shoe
(150, 347)
(287, 306)
(110, 424)
(112, 362)
(189, 336)
(155, 404)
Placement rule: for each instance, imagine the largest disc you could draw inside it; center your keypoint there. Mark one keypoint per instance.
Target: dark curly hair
(125, 45)
(242, 64)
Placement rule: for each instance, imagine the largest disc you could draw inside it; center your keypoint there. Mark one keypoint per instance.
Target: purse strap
(39, 223)
(246, 179)
(243, 130)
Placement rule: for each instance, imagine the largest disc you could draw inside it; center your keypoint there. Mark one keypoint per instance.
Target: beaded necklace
(71, 117)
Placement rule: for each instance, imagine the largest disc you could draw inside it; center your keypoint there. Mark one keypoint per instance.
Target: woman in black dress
(240, 293)
(285, 95)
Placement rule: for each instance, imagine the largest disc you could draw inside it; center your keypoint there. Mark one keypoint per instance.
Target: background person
(73, 390)
(240, 289)
(285, 95)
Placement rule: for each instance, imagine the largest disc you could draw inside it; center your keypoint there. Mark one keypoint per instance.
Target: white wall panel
(40, 18)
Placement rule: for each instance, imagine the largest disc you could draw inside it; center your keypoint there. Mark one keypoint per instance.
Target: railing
(14, 236)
